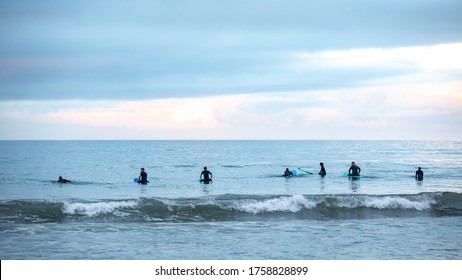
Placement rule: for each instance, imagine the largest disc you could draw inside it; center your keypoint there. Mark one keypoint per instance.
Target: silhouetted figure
(143, 178)
(354, 170)
(323, 170)
(288, 173)
(419, 174)
(62, 180)
(206, 176)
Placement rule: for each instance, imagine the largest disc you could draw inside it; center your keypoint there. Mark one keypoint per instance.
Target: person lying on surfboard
(62, 180)
(288, 173)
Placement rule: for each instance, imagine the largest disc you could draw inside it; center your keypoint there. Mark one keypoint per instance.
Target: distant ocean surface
(250, 211)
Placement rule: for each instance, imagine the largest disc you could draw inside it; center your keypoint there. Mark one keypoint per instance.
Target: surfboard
(204, 181)
(135, 180)
(351, 176)
(294, 173)
(305, 171)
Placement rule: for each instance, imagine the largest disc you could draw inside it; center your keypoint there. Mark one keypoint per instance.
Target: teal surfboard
(352, 176)
(305, 171)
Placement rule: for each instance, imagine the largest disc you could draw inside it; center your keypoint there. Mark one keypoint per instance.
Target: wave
(185, 166)
(234, 207)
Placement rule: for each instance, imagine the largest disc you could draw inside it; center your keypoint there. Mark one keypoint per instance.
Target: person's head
(142, 169)
(205, 167)
(352, 163)
(60, 177)
(419, 168)
(287, 169)
(322, 164)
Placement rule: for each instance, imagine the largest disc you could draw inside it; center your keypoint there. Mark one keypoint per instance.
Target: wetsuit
(354, 170)
(288, 173)
(144, 178)
(323, 171)
(206, 174)
(419, 175)
(61, 180)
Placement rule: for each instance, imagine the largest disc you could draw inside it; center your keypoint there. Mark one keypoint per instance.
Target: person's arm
(359, 170)
(211, 175)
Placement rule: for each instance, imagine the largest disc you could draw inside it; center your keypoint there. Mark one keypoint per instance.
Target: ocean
(249, 211)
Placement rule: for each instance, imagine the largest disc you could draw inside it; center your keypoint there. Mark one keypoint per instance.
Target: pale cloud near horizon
(356, 113)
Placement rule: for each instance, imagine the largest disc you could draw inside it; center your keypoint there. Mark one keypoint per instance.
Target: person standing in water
(419, 174)
(143, 178)
(354, 170)
(206, 176)
(323, 170)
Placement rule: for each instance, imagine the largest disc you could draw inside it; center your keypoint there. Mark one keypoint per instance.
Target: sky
(242, 69)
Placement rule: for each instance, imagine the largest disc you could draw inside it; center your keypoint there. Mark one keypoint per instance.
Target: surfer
(323, 170)
(206, 176)
(354, 170)
(288, 173)
(62, 180)
(419, 174)
(143, 178)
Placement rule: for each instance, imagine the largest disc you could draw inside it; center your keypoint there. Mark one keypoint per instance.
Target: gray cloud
(156, 49)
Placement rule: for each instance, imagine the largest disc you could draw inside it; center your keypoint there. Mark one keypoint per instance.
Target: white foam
(284, 204)
(389, 202)
(97, 208)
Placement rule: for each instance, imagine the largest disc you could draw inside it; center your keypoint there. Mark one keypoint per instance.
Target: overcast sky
(246, 69)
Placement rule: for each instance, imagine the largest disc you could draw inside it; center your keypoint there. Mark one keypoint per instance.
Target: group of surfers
(353, 171)
(206, 175)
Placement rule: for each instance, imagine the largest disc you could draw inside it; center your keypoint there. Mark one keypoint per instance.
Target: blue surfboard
(135, 180)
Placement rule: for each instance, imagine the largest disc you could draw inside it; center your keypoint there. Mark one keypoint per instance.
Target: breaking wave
(233, 207)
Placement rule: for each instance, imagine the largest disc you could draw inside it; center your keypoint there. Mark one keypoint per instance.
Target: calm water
(249, 212)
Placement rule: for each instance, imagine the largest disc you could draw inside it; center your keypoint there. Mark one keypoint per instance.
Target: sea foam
(293, 203)
(97, 208)
(390, 202)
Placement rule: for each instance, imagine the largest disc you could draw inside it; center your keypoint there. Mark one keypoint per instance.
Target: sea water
(249, 211)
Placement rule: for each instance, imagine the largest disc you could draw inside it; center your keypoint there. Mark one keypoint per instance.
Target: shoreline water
(104, 215)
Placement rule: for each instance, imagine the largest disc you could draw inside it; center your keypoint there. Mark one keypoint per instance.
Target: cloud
(394, 112)
(150, 49)
(196, 75)
(243, 69)
(443, 59)
(169, 114)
